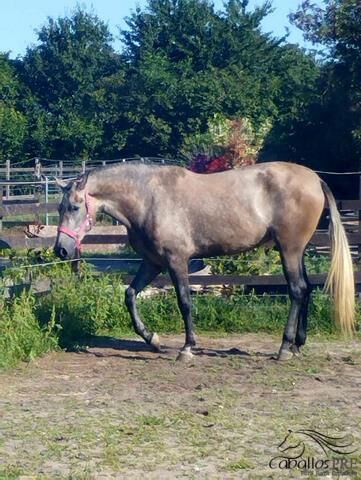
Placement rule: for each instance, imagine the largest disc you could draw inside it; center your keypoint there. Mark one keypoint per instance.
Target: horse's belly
(230, 241)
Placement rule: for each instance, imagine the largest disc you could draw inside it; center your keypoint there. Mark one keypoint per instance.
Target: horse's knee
(186, 307)
(299, 290)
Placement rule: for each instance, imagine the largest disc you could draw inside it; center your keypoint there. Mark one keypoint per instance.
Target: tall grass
(84, 305)
(21, 335)
(78, 306)
(236, 314)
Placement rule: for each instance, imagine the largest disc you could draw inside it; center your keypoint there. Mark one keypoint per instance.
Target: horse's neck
(122, 196)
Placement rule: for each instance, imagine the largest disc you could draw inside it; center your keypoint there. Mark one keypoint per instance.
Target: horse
(173, 214)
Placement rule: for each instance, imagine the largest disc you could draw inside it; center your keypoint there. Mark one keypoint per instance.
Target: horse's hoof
(185, 355)
(155, 342)
(296, 350)
(284, 355)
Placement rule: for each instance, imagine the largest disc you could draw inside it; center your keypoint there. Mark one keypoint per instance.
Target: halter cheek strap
(85, 226)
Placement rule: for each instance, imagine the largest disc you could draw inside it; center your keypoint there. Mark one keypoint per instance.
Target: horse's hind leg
(146, 273)
(294, 333)
(179, 274)
(301, 334)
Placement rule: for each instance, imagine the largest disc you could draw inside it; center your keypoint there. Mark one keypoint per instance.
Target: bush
(262, 261)
(21, 336)
(84, 305)
(226, 144)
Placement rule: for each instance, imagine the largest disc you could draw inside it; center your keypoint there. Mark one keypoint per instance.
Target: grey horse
(172, 214)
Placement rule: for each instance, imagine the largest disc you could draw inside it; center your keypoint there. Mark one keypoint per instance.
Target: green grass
(78, 306)
(261, 261)
(22, 338)
(241, 464)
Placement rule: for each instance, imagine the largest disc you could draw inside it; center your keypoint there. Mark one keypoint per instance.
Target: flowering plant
(203, 163)
(225, 145)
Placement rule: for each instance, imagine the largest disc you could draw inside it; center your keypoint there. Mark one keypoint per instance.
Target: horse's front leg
(146, 273)
(179, 276)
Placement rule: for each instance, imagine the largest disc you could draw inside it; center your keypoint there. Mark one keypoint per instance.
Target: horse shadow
(104, 342)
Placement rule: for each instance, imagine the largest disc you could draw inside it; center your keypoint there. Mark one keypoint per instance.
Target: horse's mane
(132, 166)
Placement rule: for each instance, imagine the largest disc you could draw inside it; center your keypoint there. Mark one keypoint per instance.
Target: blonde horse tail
(340, 280)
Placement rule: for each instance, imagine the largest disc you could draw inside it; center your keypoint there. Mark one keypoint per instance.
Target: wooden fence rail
(13, 172)
(13, 207)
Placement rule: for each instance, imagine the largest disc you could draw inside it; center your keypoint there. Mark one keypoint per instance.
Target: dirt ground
(119, 411)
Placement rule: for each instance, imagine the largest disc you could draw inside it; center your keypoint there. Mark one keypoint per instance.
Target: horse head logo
(294, 444)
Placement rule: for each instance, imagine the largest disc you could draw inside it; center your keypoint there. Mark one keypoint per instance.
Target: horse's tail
(340, 280)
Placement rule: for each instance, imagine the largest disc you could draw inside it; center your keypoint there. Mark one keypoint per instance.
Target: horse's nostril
(63, 253)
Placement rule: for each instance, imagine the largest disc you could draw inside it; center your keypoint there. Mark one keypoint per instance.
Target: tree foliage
(188, 62)
(13, 123)
(63, 73)
(72, 96)
(332, 122)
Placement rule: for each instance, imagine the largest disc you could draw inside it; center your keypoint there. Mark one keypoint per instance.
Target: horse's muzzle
(61, 252)
(65, 247)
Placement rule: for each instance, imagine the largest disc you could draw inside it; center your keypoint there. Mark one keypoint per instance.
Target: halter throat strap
(85, 226)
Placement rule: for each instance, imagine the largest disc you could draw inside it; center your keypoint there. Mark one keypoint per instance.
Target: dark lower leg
(184, 303)
(294, 273)
(289, 334)
(180, 280)
(146, 273)
(301, 334)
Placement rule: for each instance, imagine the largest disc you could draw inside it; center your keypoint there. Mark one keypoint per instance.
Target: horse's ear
(63, 184)
(81, 181)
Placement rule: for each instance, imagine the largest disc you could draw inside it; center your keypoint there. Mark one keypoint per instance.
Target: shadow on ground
(138, 346)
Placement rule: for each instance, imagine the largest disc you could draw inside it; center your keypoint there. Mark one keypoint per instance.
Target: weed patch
(88, 304)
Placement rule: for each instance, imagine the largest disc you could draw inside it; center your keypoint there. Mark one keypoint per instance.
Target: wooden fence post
(61, 168)
(359, 217)
(37, 169)
(8, 177)
(46, 199)
(37, 200)
(1, 204)
(83, 164)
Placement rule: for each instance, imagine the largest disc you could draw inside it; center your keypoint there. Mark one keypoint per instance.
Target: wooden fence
(27, 191)
(13, 175)
(100, 237)
(9, 208)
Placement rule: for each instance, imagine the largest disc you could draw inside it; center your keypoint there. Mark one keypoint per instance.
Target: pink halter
(85, 226)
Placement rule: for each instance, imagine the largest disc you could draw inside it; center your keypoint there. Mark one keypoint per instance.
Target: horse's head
(76, 217)
(292, 446)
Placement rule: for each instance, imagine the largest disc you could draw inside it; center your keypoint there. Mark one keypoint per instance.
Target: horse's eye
(74, 208)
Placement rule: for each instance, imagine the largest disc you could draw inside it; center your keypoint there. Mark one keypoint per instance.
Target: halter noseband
(85, 226)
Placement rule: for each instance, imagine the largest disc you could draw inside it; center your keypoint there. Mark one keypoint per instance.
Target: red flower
(218, 164)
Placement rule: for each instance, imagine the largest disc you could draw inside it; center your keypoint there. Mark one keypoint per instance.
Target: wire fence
(34, 177)
(37, 182)
(206, 288)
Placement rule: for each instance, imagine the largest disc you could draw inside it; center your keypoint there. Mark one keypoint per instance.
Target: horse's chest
(143, 245)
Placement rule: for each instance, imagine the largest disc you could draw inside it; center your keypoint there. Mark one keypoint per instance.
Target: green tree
(13, 123)
(332, 123)
(188, 61)
(63, 74)
(182, 62)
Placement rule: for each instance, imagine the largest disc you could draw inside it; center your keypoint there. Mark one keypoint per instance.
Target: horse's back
(273, 187)
(277, 199)
(234, 210)
(291, 195)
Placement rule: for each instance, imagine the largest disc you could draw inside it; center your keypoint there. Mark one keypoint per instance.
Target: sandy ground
(119, 411)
